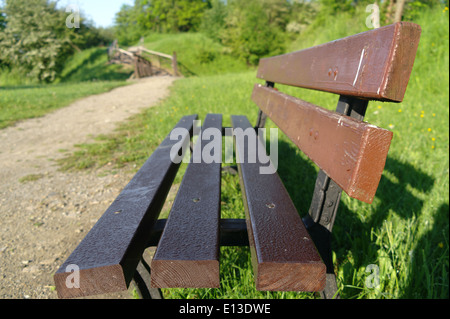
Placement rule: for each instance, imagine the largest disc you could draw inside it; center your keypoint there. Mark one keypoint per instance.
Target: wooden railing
(134, 55)
(172, 57)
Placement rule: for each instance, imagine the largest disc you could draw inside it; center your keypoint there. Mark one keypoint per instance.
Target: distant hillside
(196, 53)
(91, 65)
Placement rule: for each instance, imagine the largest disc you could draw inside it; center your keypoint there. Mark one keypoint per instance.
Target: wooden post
(136, 67)
(174, 64)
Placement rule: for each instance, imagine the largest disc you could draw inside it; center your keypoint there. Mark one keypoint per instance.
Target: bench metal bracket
(262, 117)
(325, 202)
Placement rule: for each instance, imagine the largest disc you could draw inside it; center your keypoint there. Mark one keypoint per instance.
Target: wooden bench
(288, 253)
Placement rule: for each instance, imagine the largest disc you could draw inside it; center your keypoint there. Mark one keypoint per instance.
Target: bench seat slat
(284, 257)
(109, 254)
(375, 64)
(351, 152)
(188, 251)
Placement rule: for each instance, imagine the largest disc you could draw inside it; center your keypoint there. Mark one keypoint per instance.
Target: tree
(2, 20)
(330, 8)
(302, 13)
(127, 28)
(171, 16)
(277, 12)
(251, 32)
(399, 10)
(214, 20)
(35, 38)
(2, 27)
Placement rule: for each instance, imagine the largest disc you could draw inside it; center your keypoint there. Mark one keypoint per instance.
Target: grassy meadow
(404, 232)
(197, 54)
(34, 100)
(84, 74)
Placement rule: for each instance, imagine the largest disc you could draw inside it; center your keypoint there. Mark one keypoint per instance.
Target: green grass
(30, 101)
(404, 232)
(13, 77)
(196, 53)
(31, 178)
(85, 73)
(91, 65)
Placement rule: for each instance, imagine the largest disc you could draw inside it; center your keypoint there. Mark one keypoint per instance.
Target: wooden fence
(141, 58)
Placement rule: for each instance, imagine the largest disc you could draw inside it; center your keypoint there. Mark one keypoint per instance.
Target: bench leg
(325, 203)
(319, 223)
(142, 282)
(322, 239)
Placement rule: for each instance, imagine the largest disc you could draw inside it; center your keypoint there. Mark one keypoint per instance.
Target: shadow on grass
(21, 87)
(354, 233)
(431, 261)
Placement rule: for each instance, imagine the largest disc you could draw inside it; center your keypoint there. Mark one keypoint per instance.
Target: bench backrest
(374, 65)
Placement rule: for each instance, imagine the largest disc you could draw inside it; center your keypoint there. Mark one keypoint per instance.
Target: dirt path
(43, 220)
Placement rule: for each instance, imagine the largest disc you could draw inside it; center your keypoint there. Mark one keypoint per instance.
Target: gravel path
(44, 216)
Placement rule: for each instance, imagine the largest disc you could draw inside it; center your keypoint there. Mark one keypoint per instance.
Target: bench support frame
(233, 232)
(325, 203)
(326, 197)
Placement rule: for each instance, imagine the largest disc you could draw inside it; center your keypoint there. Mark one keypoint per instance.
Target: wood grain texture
(351, 152)
(375, 64)
(188, 251)
(107, 257)
(284, 257)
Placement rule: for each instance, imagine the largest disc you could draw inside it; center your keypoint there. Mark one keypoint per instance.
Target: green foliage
(171, 16)
(414, 8)
(92, 65)
(250, 29)
(36, 42)
(34, 38)
(213, 21)
(253, 29)
(2, 20)
(196, 53)
(328, 9)
(126, 28)
(302, 14)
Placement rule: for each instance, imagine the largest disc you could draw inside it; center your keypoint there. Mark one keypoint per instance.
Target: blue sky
(102, 12)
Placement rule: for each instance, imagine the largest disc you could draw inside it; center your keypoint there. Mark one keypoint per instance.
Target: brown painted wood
(107, 257)
(188, 251)
(375, 64)
(351, 152)
(284, 257)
